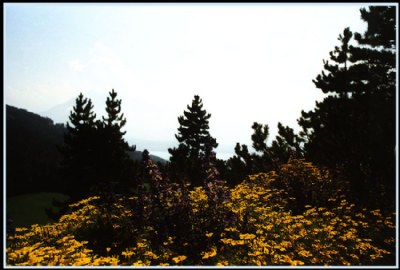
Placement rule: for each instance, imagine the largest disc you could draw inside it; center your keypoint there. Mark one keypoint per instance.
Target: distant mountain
(60, 113)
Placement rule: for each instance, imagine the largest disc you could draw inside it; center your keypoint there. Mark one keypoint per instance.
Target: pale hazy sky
(248, 62)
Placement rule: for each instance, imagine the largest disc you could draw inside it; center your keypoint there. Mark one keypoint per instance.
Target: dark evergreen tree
(116, 168)
(337, 78)
(79, 148)
(286, 145)
(244, 163)
(262, 159)
(259, 137)
(195, 145)
(238, 166)
(354, 127)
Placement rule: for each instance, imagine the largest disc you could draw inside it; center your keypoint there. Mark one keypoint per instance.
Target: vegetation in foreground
(254, 223)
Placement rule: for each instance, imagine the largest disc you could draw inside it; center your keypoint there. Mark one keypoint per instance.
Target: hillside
(32, 157)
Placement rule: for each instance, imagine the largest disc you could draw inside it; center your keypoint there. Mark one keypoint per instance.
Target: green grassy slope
(29, 209)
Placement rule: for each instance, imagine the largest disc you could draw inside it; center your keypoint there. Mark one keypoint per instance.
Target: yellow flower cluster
(266, 232)
(53, 245)
(319, 236)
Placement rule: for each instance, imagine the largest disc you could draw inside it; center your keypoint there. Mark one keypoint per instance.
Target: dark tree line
(264, 158)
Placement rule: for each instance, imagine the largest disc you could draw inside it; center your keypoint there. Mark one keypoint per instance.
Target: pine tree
(239, 166)
(195, 144)
(286, 145)
(79, 148)
(259, 137)
(244, 163)
(115, 165)
(354, 127)
(262, 159)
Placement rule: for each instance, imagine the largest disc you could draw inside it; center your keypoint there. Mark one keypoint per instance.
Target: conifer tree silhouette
(79, 148)
(195, 144)
(115, 165)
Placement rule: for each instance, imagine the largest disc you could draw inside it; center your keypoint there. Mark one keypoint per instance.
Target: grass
(28, 209)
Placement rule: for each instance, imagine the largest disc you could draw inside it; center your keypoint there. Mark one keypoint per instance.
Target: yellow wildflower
(210, 253)
(247, 236)
(179, 259)
(297, 262)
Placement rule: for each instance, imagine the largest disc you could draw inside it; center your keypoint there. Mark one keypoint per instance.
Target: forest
(325, 196)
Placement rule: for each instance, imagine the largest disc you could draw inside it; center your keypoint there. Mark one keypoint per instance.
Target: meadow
(28, 209)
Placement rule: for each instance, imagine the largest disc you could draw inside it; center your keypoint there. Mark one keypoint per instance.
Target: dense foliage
(251, 224)
(265, 157)
(355, 124)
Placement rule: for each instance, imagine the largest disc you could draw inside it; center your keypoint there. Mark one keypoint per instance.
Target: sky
(248, 62)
